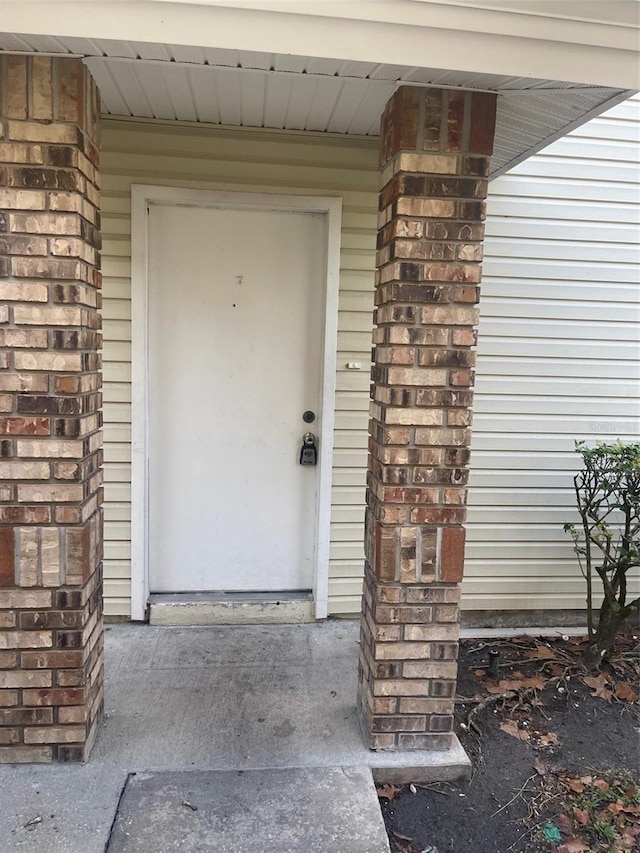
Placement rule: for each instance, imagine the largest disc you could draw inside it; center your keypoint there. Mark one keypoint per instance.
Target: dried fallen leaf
(510, 684)
(601, 784)
(538, 652)
(548, 739)
(574, 845)
(533, 681)
(581, 815)
(540, 766)
(511, 728)
(599, 685)
(576, 786)
(492, 688)
(564, 824)
(625, 692)
(402, 837)
(388, 791)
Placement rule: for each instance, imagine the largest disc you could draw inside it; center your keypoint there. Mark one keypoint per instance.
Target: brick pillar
(51, 660)
(435, 149)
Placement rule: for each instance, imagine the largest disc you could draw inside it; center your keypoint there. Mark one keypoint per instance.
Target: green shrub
(607, 542)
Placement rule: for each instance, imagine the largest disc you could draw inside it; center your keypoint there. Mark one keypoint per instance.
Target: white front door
(236, 317)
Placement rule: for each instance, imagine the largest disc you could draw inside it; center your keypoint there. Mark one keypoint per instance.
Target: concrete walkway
(196, 705)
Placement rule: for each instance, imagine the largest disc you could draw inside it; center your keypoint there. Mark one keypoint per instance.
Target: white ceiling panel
(247, 88)
(252, 90)
(372, 104)
(152, 80)
(228, 90)
(301, 101)
(352, 94)
(203, 88)
(113, 102)
(276, 101)
(324, 102)
(179, 88)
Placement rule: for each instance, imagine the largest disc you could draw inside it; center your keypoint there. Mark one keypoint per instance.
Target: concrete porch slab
(225, 699)
(321, 810)
(245, 697)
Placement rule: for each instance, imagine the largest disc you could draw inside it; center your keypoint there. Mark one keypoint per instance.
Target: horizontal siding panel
(546, 294)
(516, 268)
(114, 606)
(117, 512)
(605, 233)
(118, 531)
(550, 209)
(555, 407)
(118, 452)
(557, 386)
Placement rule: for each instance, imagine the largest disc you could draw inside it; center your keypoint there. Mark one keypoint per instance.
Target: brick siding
(50, 439)
(435, 148)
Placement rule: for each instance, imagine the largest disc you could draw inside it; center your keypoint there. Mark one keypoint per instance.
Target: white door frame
(142, 197)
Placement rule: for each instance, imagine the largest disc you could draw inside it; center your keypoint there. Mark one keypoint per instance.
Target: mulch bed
(555, 755)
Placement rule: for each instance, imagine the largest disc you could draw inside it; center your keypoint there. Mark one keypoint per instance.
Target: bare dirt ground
(555, 751)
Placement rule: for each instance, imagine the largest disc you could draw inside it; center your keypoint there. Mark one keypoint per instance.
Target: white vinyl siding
(247, 161)
(558, 356)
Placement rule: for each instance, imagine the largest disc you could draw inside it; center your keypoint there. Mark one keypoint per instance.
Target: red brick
(483, 122)
(7, 547)
(56, 659)
(54, 696)
(26, 716)
(452, 554)
(24, 426)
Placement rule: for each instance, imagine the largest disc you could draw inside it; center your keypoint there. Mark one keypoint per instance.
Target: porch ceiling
(288, 92)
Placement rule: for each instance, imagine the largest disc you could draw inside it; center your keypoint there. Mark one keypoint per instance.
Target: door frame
(142, 197)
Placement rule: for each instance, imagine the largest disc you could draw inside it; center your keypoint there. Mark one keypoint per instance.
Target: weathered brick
(11, 152)
(22, 199)
(25, 755)
(25, 514)
(55, 697)
(56, 659)
(24, 470)
(23, 382)
(55, 734)
(26, 716)
(48, 316)
(24, 678)
(49, 493)
(22, 291)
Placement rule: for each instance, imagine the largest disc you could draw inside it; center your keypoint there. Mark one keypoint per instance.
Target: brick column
(435, 150)
(51, 670)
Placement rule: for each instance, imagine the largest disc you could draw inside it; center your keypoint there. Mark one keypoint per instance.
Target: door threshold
(231, 608)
